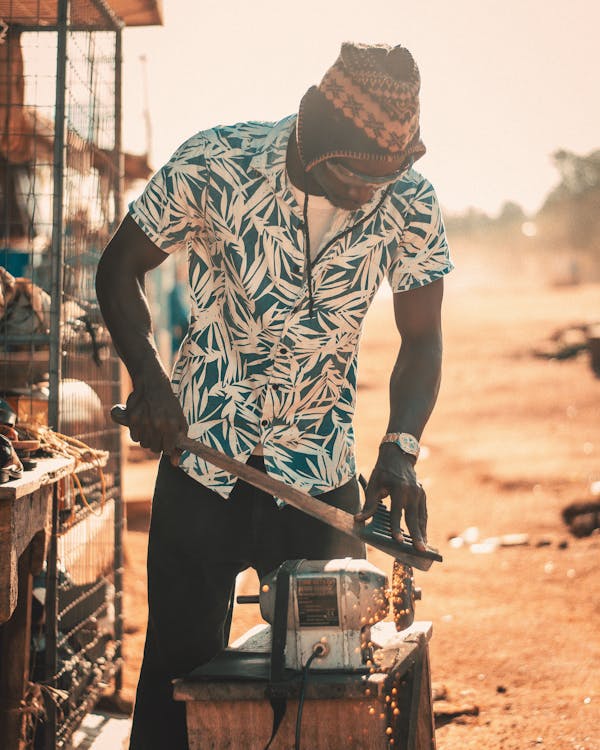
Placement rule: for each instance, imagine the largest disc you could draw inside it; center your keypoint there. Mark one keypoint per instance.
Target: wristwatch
(405, 441)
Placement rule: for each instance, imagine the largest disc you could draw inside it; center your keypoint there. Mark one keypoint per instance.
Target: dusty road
(513, 440)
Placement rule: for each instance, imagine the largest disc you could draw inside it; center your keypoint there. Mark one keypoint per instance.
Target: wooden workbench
(25, 526)
(390, 708)
(25, 515)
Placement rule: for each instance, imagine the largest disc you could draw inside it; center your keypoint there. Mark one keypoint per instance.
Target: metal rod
(116, 373)
(72, 27)
(51, 634)
(56, 351)
(57, 249)
(118, 147)
(26, 338)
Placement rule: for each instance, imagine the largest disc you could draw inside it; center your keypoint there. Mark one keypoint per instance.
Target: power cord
(318, 650)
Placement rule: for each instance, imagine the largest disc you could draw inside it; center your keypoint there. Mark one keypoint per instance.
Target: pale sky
(504, 83)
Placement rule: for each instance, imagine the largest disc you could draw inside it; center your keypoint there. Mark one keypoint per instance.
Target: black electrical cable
(318, 650)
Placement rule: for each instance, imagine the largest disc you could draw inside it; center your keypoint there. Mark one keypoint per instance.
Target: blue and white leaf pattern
(255, 366)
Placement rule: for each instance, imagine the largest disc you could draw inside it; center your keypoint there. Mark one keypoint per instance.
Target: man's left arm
(414, 386)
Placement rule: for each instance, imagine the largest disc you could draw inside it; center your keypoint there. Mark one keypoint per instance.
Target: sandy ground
(512, 441)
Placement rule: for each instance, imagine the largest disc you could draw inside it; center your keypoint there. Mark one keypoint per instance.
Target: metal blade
(377, 533)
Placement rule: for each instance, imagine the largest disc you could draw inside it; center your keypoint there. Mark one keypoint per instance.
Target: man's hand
(394, 475)
(155, 416)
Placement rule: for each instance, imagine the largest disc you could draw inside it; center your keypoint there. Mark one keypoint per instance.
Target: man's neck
(299, 177)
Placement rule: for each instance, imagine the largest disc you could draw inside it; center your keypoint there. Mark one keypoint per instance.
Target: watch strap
(405, 441)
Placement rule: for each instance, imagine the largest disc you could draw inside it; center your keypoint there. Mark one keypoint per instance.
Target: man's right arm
(155, 415)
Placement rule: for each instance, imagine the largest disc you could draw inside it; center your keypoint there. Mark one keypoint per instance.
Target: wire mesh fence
(60, 172)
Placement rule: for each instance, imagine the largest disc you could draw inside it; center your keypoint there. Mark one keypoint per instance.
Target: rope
(57, 444)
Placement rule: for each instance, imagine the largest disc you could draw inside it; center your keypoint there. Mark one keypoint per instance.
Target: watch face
(405, 441)
(409, 444)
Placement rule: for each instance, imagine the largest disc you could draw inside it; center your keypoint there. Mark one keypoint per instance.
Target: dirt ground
(514, 439)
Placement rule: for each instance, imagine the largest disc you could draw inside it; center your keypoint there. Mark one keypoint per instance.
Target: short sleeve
(422, 255)
(172, 205)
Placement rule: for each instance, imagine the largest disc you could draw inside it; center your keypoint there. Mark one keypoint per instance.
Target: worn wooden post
(14, 675)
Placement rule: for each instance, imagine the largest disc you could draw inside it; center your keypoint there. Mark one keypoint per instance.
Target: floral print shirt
(255, 365)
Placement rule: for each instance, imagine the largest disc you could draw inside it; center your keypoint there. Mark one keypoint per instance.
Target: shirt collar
(270, 160)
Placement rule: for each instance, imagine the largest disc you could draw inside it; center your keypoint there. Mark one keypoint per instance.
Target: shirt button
(296, 269)
(275, 387)
(283, 351)
(265, 422)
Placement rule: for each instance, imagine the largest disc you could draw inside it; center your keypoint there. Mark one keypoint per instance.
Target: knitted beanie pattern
(369, 98)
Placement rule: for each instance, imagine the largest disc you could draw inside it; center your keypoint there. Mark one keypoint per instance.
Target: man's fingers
(423, 514)
(154, 441)
(135, 416)
(397, 497)
(408, 498)
(155, 429)
(373, 495)
(171, 435)
(134, 430)
(411, 515)
(169, 443)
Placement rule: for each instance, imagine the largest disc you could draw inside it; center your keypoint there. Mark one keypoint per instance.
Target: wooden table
(25, 524)
(342, 710)
(25, 516)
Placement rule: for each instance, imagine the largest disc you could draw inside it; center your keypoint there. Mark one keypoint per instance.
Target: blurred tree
(575, 201)
(511, 213)
(579, 174)
(470, 221)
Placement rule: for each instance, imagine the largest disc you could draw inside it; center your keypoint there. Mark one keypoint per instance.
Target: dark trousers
(198, 544)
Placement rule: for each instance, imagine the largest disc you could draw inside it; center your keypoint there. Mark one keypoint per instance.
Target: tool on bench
(377, 532)
(332, 606)
(326, 642)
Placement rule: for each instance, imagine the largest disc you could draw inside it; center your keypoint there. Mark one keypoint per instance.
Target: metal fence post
(51, 627)
(119, 506)
(57, 215)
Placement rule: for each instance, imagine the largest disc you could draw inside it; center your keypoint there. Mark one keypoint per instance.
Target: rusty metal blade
(335, 517)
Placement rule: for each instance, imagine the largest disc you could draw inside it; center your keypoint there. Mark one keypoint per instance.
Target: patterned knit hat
(366, 107)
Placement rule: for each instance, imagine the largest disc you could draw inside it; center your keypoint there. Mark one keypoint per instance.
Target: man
(289, 230)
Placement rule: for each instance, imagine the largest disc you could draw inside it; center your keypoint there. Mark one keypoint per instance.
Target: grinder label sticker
(317, 602)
